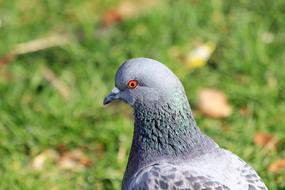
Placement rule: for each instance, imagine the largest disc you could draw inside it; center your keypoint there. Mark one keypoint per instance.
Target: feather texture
(219, 170)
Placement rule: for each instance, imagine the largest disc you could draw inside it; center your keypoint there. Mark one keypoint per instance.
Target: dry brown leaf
(265, 140)
(129, 9)
(125, 10)
(74, 160)
(111, 17)
(213, 103)
(277, 166)
(59, 85)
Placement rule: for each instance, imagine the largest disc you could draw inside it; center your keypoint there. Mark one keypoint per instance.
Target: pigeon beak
(112, 96)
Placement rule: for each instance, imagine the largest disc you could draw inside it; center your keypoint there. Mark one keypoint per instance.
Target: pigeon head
(164, 125)
(144, 81)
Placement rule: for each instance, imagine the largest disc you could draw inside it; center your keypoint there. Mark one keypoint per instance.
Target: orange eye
(132, 84)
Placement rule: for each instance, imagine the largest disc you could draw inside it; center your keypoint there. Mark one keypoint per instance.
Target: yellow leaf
(200, 55)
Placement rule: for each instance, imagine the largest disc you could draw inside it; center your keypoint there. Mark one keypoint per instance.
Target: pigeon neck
(168, 130)
(164, 131)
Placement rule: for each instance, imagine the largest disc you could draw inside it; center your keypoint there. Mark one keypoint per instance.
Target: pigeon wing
(232, 174)
(167, 176)
(252, 178)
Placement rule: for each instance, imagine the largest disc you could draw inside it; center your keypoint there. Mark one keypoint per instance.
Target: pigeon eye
(132, 84)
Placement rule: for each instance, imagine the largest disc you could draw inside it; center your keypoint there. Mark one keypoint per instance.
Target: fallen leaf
(125, 10)
(213, 103)
(69, 164)
(129, 9)
(277, 166)
(265, 140)
(75, 160)
(199, 56)
(111, 17)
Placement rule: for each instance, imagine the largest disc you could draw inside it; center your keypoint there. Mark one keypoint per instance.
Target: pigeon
(169, 152)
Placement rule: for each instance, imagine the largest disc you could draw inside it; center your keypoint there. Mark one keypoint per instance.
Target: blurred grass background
(52, 99)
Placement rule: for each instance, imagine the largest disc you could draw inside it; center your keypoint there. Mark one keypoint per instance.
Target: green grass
(35, 117)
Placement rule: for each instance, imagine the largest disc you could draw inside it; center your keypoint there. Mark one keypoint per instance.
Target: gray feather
(223, 170)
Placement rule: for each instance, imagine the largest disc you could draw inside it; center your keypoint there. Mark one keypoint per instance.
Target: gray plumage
(168, 149)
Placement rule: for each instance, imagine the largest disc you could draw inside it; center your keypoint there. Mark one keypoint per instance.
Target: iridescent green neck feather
(165, 130)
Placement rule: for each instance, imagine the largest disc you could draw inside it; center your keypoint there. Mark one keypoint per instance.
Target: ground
(51, 99)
